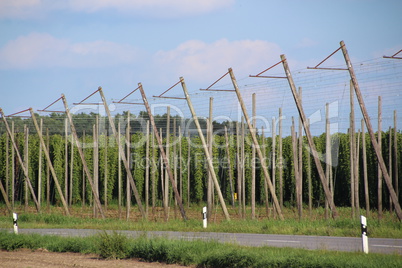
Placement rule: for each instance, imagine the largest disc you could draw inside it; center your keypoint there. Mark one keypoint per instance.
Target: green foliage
(199, 253)
(112, 246)
(108, 163)
(199, 167)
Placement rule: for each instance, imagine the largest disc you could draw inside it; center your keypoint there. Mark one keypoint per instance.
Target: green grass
(314, 224)
(199, 253)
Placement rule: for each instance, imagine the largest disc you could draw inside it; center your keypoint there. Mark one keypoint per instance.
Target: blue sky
(73, 46)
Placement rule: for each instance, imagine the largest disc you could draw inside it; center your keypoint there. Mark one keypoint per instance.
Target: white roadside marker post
(204, 217)
(363, 221)
(15, 218)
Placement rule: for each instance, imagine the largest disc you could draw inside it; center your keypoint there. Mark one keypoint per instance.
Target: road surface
(353, 244)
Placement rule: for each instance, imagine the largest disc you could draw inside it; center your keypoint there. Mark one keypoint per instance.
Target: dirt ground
(41, 258)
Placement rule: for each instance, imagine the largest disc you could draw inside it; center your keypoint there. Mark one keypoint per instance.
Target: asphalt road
(376, 245)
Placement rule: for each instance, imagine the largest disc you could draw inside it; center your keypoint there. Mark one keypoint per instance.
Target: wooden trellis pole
(206, 152)
(84, 162)
(20, 161)
(123, 157)
(47, 155)
(366, 117)
(210, 190)
(230, 171)
(280, 160)
(119, 175)
(303, 117)
(365, 175)
(147, 163)
(162, 152)
(255, 141)
(379, 173)
(396, 182)
(253, 172)
(128, 153)
(26, 162)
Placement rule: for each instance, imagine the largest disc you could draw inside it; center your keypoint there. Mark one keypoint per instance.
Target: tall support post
(7, 166)
(81, 153)
(310, 185)
(230, 171)
(266, 193)
(352, 150)
(95, 158)
(300, 159)
(328, 165)
(396, 183)
(166, 176)
(26, 163)
(105, 175)
(280, 159)
(365, 175)
(243, 167)
(206, 152)
(273, 159)
(239, 169)
(40, 166)
(295, 166)
(255, 141)
(47, 155)
(210, 191)
(128, 155)
(174, 141)
(162, 152)
(147, 170)
(180, 163)
(328, 193)
(371, 132)
(12, 166)
(11, 135)
(254, 114)
(153, 170)
(123, 157)
(119, 175)
(390, 152)
(379, 173)
(70, 201)
(47, 172)
(65, 159)
(188, 167)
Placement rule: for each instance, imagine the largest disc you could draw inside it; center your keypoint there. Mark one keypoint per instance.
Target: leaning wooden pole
(366, 117)
(123, 157)
(303, 117)
(206, 152)
(256, 145)
(49, 162)
(20, 161)
(81, 153)
(162, 152)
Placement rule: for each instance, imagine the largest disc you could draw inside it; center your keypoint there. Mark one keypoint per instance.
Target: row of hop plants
(108, 167)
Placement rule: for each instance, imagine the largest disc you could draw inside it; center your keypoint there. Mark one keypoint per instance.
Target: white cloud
(23, 9)
(38, 50)
(202, 61)
(159, 7)
(19, 8)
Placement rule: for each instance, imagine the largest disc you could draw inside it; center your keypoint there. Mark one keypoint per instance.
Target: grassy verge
(315, 224)
(199, 253)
